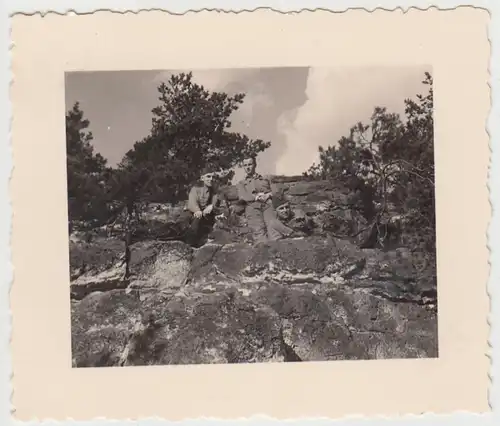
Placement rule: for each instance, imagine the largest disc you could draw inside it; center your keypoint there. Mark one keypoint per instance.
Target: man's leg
(207, 226)
(275, 228)
(199, 229)
(192, 234)
(256, 223)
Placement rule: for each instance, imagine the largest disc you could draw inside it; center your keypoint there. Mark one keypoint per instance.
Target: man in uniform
(296, 218)
(203, 202)
(255, 192)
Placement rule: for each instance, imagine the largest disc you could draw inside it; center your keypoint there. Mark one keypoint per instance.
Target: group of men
(254, 192)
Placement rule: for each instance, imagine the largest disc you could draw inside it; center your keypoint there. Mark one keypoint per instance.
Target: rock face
(291, 300)
(316, 297)
(316, 208)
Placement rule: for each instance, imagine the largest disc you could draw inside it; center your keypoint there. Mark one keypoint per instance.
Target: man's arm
(244, 194)
(269, 192)
(192, 204)
(215, 199)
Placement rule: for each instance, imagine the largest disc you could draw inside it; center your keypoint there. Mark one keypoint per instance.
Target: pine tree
(191, 128)
(390, 162)
(86, 171)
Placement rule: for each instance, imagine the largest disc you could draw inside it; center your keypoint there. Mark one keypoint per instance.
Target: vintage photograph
(269, 208)
(251, 215)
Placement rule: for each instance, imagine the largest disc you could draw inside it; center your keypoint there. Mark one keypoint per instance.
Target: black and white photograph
(251, 215)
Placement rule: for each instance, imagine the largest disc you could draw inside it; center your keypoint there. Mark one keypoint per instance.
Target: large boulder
(159, 265)
(118, 328)
(162, 222)
(96, 265)
(312, 259)
(151, 265)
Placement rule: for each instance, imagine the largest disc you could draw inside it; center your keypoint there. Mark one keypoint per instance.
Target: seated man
(202, 203)
(255, 192)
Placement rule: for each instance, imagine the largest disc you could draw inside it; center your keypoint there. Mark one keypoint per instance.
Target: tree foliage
(86, 171)
(390, 162)
(191, 129)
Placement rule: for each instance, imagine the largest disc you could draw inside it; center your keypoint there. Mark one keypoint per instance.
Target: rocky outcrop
(311, 298)
(321, 296)
(316, 208)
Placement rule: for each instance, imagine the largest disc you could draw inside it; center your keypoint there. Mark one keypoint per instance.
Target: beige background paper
(453, 42)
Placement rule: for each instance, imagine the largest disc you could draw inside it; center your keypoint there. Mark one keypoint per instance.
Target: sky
(296, 109)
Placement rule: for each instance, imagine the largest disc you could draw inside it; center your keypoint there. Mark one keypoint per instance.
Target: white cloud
(336, 100)
(309, 126)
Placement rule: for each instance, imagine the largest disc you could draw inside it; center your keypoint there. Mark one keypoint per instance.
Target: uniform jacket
(248, 188)
(200, 197)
